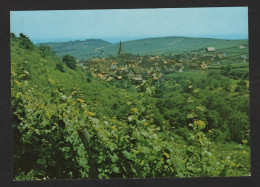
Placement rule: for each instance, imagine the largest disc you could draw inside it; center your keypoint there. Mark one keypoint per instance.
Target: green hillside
(79, 49)
(177, 45)
(153, 46)
(69, 124)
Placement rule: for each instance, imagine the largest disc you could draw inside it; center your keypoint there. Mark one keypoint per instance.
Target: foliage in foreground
(49, 117)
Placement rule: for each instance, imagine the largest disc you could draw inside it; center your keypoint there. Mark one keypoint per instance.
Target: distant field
(241, 66)
(242, 69)
(193, 75)
(153, 46)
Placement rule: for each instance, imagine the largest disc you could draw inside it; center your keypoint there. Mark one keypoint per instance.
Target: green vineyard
(68, 123)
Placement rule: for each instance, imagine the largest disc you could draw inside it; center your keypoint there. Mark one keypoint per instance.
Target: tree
(226, 84)
(25, 42)
(60, 67)
(13, 39)
(45, 51)
(241, 86)
(70, 61)
(225, 70)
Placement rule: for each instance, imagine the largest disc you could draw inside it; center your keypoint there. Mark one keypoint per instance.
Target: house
(172, 61)
(80, 64)
(119, 77)
(210, 49)
(137, 80)
(178, 64)
(138, 70)
(180, 70)
(130, 65)
(137, 62)
(243, 56)
(203, 65)
(131, 74)
(144, 81)
(109, 79)
(125, 69)
(102, 70)
(100, 75)
(171, 69)
(241, 46)
(220, 55)
(157, 69)
(113, 66)
(114, 63)
(119, 69)
(122, 69)
(159, 78)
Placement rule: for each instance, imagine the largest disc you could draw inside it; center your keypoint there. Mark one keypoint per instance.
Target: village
(138, 69)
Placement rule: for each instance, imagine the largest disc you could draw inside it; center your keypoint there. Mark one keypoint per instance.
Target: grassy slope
(104, 94)
(164, 45)
(77, 48)
(94, 90)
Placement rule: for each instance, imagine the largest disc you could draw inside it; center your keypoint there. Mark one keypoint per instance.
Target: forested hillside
(69, 124)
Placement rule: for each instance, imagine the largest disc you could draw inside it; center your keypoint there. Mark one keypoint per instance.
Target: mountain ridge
(91, 48)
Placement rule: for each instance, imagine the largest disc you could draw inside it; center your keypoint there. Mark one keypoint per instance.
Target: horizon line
(126, 39)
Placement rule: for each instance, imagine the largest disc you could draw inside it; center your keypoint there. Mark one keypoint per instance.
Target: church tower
(120, 51)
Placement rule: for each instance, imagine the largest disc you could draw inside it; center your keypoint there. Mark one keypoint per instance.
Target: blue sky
(126, 24)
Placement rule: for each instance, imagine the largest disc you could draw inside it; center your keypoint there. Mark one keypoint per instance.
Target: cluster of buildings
(136, 74)
(139, 69)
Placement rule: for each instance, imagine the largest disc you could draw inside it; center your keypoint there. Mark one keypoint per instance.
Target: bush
(241, 86)
(70, 61)
(60, 67)
(25, 42)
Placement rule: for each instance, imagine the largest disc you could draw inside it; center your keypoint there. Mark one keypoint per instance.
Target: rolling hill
(164, 45)
(78, 49)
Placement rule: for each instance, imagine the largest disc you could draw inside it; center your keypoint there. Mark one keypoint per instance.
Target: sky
(116, 25)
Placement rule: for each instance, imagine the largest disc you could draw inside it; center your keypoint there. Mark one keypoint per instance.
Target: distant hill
(164, 45)
(78, 49)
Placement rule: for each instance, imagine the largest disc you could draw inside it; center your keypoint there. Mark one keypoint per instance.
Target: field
(152, 46)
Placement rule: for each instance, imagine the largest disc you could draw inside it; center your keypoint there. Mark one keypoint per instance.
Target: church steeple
(120, 51)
